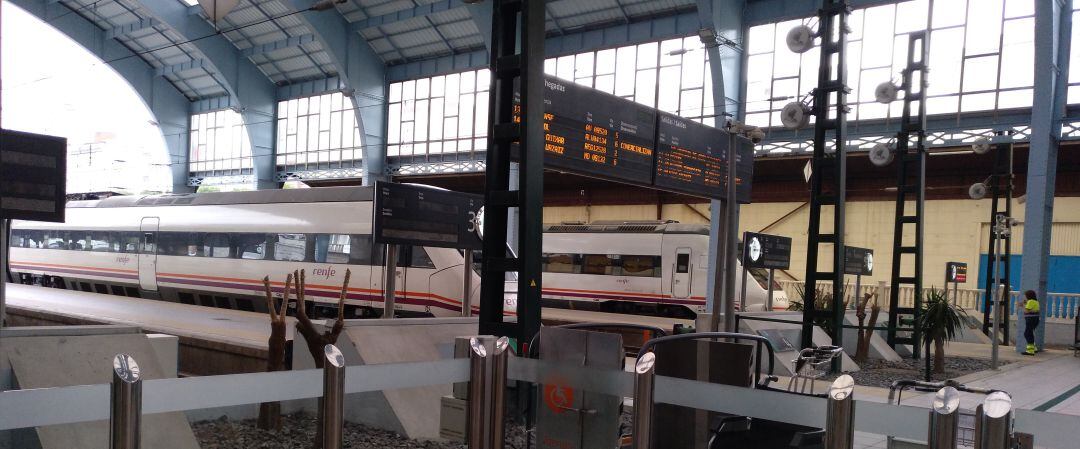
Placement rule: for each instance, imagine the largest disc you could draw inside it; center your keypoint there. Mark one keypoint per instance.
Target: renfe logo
(123, 259)
(326, 273)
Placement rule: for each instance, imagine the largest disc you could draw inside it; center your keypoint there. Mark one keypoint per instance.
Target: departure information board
(691, 158)
(592, 133)
(409, 214)
(596, 134)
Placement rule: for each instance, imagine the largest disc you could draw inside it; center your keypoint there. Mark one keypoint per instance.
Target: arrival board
(691, 158)
(592, 133)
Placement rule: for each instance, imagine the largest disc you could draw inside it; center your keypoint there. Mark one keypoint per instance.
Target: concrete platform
(212, 341)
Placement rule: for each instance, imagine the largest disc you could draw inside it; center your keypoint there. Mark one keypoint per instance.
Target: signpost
(771, 252)
(415, 215)
(955, 272)
(860, 262)
(33, 168)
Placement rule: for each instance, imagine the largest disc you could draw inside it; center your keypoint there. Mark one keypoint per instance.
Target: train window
(599, 264)
(250, 246)
(643, 266)
(148, 243)
(53, 240)
(560, 263)
(332, 248)
(99, 242)
(216, 245)
(128, 242)
(682, 263)
(290, 247)
(178, 244)
(420, 258)
(74, 240)
(360, 250)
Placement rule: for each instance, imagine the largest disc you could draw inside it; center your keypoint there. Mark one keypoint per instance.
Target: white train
(655, 268)
(213, 249)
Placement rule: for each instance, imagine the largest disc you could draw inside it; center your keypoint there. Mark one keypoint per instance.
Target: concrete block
(783, 358)
(167, 349)
(54, 361)
(453, 419)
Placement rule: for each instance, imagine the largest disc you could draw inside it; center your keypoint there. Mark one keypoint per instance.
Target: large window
(219, 144)
(449, 113)
(980, 58)
(1074, 55)
(318, 133)
(442, 114)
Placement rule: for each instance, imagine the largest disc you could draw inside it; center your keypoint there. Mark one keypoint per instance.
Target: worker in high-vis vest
(1031, 320)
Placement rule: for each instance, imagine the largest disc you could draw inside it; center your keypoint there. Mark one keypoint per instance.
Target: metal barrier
(944, 419)
(644, 382)
(488, 367)
(993, 422)
(126, 403)
(759, 343)
(333, 403)
(840, 414)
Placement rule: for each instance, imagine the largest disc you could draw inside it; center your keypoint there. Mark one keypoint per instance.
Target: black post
(1001, 185)
(508, 64)
(910, 181)
(829, 178)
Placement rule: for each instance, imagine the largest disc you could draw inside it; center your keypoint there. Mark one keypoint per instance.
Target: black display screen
(691, 158)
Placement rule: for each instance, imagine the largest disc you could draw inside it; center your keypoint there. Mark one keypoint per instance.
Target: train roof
(629, 227)
(312, 195)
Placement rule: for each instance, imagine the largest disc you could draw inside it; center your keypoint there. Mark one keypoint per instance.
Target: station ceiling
(277, 40)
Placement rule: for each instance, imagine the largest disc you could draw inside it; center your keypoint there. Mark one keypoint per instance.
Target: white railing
(1059, 306)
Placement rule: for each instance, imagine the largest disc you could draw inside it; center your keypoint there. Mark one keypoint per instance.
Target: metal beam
(167, 104)
(711, 14)
(129, 28)
(294, 41)
(180, 68)
(252, 91)
(1053, 31)
(406, 14)
(360, 70)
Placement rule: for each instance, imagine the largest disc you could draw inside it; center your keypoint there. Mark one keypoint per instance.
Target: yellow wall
(956, 230)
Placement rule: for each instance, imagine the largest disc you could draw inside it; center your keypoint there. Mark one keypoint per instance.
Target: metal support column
(508, 64)
(944, 419)
(389, 281)
(910, 181)
(466, 284)
(993, 422)
(1053, 32)
(644, 380)
(125, 403)
(829, 178)
(998, 262)
(840, 415)
(487, 386)
(333, 400)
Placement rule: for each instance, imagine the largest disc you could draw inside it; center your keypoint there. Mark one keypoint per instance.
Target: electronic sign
(592, 133)
(34, 172)
(409, 214)
(691, 158)
(956, 272)
(766, 251)
(858, 261)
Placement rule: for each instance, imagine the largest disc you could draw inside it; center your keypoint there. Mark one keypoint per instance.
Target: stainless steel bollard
(644, 380)
(944, 419)
(840, 415)
(126, 403)
(478, 393)
(389, 281)
(500, 356)
(994, 422)
(333, 402)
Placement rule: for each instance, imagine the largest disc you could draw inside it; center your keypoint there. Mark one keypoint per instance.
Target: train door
(148, 253)
(682, 273)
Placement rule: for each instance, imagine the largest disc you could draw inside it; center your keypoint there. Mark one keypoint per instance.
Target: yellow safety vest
(1031, 308)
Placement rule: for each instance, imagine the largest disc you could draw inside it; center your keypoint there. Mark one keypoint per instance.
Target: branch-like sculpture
(270, 412)
(316, 341)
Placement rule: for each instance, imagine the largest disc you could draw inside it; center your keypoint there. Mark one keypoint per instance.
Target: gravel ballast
(881, 373)
(298, 432)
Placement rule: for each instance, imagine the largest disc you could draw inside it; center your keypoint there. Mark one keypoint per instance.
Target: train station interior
(539, 224)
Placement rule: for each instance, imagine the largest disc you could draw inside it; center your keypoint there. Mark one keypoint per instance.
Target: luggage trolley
(810, 365)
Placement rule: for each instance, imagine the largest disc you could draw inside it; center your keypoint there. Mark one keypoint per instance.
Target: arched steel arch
(169, 107)
(248, 87)
(360, 70)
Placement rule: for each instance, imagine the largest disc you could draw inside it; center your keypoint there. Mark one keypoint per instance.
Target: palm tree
(939, 323)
